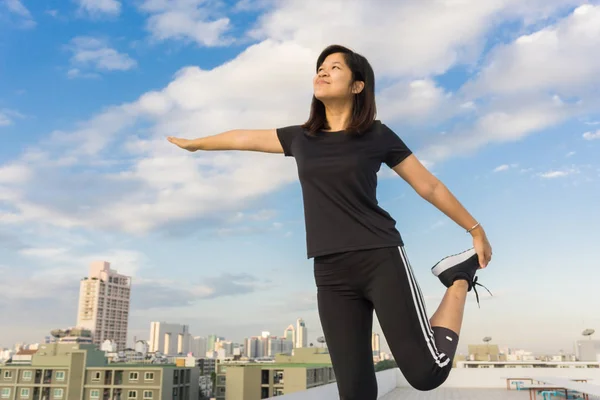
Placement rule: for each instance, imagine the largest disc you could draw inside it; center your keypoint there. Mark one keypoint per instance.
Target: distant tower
(375, 344)
(104, 304)
(290, 334)
(301, 333)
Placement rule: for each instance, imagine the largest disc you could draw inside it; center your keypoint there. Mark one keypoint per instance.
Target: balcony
(462, 384)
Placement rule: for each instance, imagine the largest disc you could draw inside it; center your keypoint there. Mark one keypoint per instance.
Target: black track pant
(350, 286)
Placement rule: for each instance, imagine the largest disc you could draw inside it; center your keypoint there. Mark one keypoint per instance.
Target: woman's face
(333, 79)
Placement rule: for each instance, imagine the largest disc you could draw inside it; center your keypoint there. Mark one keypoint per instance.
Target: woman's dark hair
(364, 109)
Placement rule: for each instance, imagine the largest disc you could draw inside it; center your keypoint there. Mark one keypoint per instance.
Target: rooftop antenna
(588, 332)
(487, 341)
(321, 339)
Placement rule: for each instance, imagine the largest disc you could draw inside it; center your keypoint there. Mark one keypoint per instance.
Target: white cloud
(94, 54)
(157, 185)
(100, 7)
(190, 20)
(47, 252)
(505, 167)
(412, 38)
(7, 116)
(559, 173)
(570, 154)
(502, 122)
(591, 135)
(558, 57)
(415, 100)
(163, 184)
(17, 8)
(4, 120)
(14, 174)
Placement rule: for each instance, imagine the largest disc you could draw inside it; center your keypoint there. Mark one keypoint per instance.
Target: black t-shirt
(338, 176)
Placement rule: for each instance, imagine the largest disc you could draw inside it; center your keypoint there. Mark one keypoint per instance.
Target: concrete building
(207, 366)
(104, 304)
(587, 350)
(276, 345)
(290, 334)
(301, 334)
(485, 352)
(210, 342)
(61, 371)
(199, 346)
(375, 344)
(306, 368)
(169, 339)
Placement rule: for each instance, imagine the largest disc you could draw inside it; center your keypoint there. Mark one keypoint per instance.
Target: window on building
(132, 394)
(96, 376)
(149, 376)
(264, 393)
(27, 375)
(148, 394)
(133, 376)
(7, 374)
(5, 393)
(264, 377)
(60, 375)
(94, 394)
(58, 393)
(24, 393)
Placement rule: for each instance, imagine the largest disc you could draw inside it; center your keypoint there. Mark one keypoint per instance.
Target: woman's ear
(358, 87)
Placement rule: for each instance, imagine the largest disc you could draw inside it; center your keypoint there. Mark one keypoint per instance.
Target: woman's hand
(482, 247)
(185, 144)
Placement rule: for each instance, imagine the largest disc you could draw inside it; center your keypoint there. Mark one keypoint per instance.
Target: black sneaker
(459, 266)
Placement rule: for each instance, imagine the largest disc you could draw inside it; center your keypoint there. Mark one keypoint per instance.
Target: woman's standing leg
(347, 321)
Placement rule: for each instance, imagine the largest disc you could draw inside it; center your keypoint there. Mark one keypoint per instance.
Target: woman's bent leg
(423, 353)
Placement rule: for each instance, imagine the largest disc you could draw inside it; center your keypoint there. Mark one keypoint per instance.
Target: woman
(359, 261)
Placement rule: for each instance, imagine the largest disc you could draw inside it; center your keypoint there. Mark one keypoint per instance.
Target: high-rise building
(199, 346)
(104, 304)
(290, 334)
(375, 345)
(170, 339)
(210, 344)
(301, 339)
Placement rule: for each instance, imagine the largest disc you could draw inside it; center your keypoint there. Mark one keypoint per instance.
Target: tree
(213, 379)
(385, 364)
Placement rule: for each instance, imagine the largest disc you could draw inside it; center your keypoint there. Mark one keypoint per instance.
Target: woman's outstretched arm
(434, 191)
(261, 140)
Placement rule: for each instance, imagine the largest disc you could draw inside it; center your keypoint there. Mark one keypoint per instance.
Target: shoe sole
(452, 261)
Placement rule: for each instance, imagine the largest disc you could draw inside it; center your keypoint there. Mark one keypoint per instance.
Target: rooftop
(464, 384)
(456, 393)
(279, 365)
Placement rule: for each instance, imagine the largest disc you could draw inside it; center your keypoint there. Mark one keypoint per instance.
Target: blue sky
(498, 98)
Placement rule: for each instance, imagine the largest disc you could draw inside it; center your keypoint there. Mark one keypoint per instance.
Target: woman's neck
(338, 116)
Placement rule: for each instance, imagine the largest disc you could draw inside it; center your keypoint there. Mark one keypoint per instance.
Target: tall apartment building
(61, 371)
(375, 344)
(301, 334)
(104, 304)
(290, 334)
(170, 339)
(199, 346)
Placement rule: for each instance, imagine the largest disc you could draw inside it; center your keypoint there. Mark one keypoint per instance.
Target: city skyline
(499, 99)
